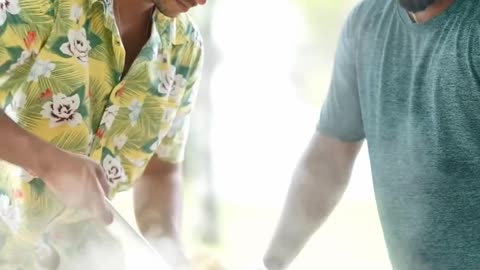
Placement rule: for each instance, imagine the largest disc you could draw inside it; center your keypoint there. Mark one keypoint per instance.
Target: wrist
(42, 159)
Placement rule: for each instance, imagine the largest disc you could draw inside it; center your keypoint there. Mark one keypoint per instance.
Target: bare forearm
(158, 205)
(19, 147)
(318, 184)
(158, 210)
(158, 197)
(307, 207)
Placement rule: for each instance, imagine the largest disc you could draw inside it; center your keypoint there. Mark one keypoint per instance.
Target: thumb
(107, 215)
(102, 211)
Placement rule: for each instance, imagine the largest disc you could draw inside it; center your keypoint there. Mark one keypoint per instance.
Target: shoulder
(187, 31)
(190, 43)
(185, 43)
(182, 33)
(372, 7)
(371, 11)
(366, 17)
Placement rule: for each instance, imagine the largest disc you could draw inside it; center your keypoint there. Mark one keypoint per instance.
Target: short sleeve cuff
(335, 131)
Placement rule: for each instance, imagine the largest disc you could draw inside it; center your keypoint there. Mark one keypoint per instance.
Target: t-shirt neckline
(431, 24)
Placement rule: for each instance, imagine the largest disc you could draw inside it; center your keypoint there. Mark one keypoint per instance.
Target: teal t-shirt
(413, 91)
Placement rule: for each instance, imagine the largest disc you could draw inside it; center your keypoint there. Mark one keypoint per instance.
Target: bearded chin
(416, 5)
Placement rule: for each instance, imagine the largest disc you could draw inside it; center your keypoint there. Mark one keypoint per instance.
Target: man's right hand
(78, 182)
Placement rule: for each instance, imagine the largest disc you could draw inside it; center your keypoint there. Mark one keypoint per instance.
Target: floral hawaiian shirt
(61, 66)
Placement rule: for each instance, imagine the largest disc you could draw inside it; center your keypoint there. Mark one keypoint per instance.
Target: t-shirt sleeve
(340, 116)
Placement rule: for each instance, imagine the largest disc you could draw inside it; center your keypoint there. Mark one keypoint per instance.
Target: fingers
(107, 216)
(103, 181)
(102, 210)
(201, 2)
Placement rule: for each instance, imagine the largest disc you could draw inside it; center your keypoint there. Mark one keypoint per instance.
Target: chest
(133, 43)
(420, 99)
(426, 79)
(135, 29)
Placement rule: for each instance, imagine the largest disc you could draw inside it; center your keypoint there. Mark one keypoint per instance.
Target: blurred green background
(267, 71)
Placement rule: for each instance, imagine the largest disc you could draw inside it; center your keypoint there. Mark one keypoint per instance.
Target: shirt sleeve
(172, 147)
(340, 116)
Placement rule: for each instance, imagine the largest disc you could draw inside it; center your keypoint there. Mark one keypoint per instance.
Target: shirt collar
(173, 28)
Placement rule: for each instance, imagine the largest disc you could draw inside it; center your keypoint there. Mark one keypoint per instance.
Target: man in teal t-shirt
(406, 79)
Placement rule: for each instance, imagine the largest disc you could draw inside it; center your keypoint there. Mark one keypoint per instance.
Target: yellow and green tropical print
(61, 65)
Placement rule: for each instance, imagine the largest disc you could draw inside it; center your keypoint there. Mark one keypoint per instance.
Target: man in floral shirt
(96, 95)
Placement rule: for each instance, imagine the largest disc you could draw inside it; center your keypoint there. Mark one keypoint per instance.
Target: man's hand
(78, 182)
